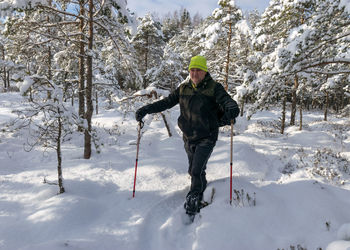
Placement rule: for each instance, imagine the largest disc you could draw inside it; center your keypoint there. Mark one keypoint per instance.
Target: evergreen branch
(325, 42)
(318, 64)
(323, 63)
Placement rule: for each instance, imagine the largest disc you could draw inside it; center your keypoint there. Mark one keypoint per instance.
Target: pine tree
(148, 42)
(218, 36)
(172, 24)
(8, 67)
(246, 61)
(169, 28)
(185, 19)
(185, 45)
(167, 74)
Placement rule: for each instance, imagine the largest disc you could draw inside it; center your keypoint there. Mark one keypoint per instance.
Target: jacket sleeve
(225, 100)
(168, 102)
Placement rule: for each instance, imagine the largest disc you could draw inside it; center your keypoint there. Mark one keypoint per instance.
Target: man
(200, 99)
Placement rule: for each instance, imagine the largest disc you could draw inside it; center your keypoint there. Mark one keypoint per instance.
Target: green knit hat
(198, 62)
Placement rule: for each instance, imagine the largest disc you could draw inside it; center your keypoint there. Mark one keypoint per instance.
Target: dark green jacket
(199, 108)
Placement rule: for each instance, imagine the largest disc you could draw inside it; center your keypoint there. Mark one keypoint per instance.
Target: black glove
(140, 113)
(225, 120)
(231, 113)
(231, 110)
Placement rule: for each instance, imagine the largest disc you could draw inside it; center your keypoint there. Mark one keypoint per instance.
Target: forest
(72, 75)
(65, 56)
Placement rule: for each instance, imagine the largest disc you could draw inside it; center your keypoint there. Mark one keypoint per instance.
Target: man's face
(197, 75)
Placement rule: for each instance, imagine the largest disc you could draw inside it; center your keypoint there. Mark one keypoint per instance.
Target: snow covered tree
(148, 42)
(50, 121)
(247, 63)
(228, 15)
(185, 45)
(218, 36)
(169, 28)
(168, 74)
(8, 68)
(185, 19)
(253, 17)
(311, 39)
(276, 23)
(170, 25)
(51, 23)
(333, 91)
(317, 45)
(247, 59)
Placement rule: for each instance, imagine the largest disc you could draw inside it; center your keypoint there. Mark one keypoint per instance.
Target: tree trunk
(96, 101)
(166, 124)
(326, 106)
(81, 87)
(301, 116)
(88, 92)
(146, 61)
(65, 88)
(228, 52)
(8, 78)
(146, 55)
(59, 155)
(283, 121)
(4, 68)
(294, 101)
(5, 78)
(49, 56)
(49, 63)
(242, 106)
(342, 98)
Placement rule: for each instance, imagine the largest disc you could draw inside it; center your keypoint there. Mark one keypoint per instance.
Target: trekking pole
(231, 153)
(139, 127)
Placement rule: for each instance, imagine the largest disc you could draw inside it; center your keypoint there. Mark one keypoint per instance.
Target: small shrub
(242, 198)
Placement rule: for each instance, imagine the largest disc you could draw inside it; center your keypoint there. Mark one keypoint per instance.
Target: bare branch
(327, 72)
(58, 11)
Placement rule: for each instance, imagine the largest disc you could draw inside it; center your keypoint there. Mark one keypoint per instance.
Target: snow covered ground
(290, 190)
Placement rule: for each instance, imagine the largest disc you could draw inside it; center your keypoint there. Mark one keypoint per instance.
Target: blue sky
(204, 7)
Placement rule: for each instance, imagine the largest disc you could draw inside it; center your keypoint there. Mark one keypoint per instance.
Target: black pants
(198, 154)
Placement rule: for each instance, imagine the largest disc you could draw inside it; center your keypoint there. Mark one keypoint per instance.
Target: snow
(296, 203)
(25, 85)
(212, 35)
(345, 4)
(244, 27)
(241, 91)
(331, 83)
(7, 6)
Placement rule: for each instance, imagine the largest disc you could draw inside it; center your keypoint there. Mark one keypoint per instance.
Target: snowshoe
(192, 204)
(192, 207)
